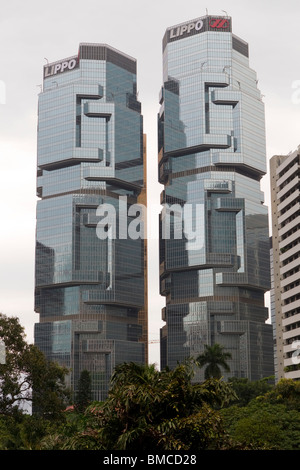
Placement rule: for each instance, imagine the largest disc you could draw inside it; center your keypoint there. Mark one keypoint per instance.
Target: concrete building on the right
(285, 295)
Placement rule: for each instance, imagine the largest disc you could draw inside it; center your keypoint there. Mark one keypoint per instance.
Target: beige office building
(285, 297)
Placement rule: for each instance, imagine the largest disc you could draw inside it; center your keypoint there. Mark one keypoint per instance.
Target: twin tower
(91, 234)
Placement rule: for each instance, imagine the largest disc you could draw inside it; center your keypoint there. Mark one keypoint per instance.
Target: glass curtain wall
(91, 275)
(214, 241)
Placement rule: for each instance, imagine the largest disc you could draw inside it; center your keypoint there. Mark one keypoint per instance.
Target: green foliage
(151, 410)
(165, 411)
(47, 378)
(12, 389)
(287, 392)
(84, 395)
(23, 432)
(79, 431)
(263, 426)
(146, 409)
(32, 430)
(246, 390)
(9, 435)
(214, 358)
(27, 375)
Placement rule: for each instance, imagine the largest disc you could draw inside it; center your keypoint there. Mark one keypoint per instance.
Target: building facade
(91, 262)
(214, 237)
(285, 306)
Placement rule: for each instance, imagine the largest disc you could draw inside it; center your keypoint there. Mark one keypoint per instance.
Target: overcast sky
(32, 31)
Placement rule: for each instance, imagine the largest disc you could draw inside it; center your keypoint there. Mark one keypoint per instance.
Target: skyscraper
(91, 273)
(285, 203)
(214, 240)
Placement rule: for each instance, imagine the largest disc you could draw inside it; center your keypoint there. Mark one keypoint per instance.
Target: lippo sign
(200, 25)
(186, 29)
(60, 67)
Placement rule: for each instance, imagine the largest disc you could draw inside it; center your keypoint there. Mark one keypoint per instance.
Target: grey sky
(33, 31)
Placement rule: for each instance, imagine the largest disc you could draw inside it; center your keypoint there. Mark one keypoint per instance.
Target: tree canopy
(84, 394)
(214, 358)
(147, 409)
(26, 375)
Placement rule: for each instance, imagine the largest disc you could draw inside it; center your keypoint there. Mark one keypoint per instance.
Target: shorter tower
(285, 204)
(91, 270)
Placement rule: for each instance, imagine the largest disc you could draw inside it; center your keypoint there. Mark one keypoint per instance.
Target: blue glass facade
(211, 154)
(90, 289)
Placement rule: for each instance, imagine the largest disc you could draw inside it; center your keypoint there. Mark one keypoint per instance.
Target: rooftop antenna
(225, 12)
(206, 11)
(46, 60)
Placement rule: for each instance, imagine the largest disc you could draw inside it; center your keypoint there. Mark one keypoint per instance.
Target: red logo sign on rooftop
(218, 23)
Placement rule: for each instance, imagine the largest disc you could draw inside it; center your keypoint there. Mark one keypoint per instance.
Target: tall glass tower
(214, 241)
(91, 271)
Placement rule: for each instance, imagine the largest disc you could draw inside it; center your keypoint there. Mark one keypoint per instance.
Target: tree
(286, 391)
(263, 426)
(84, 394)
(246, 390)
(271, 420)
(147, 409)
(213, 358)
(27, 376)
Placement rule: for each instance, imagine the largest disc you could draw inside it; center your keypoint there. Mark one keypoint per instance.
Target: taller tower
(214, 241)
(90, 279)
